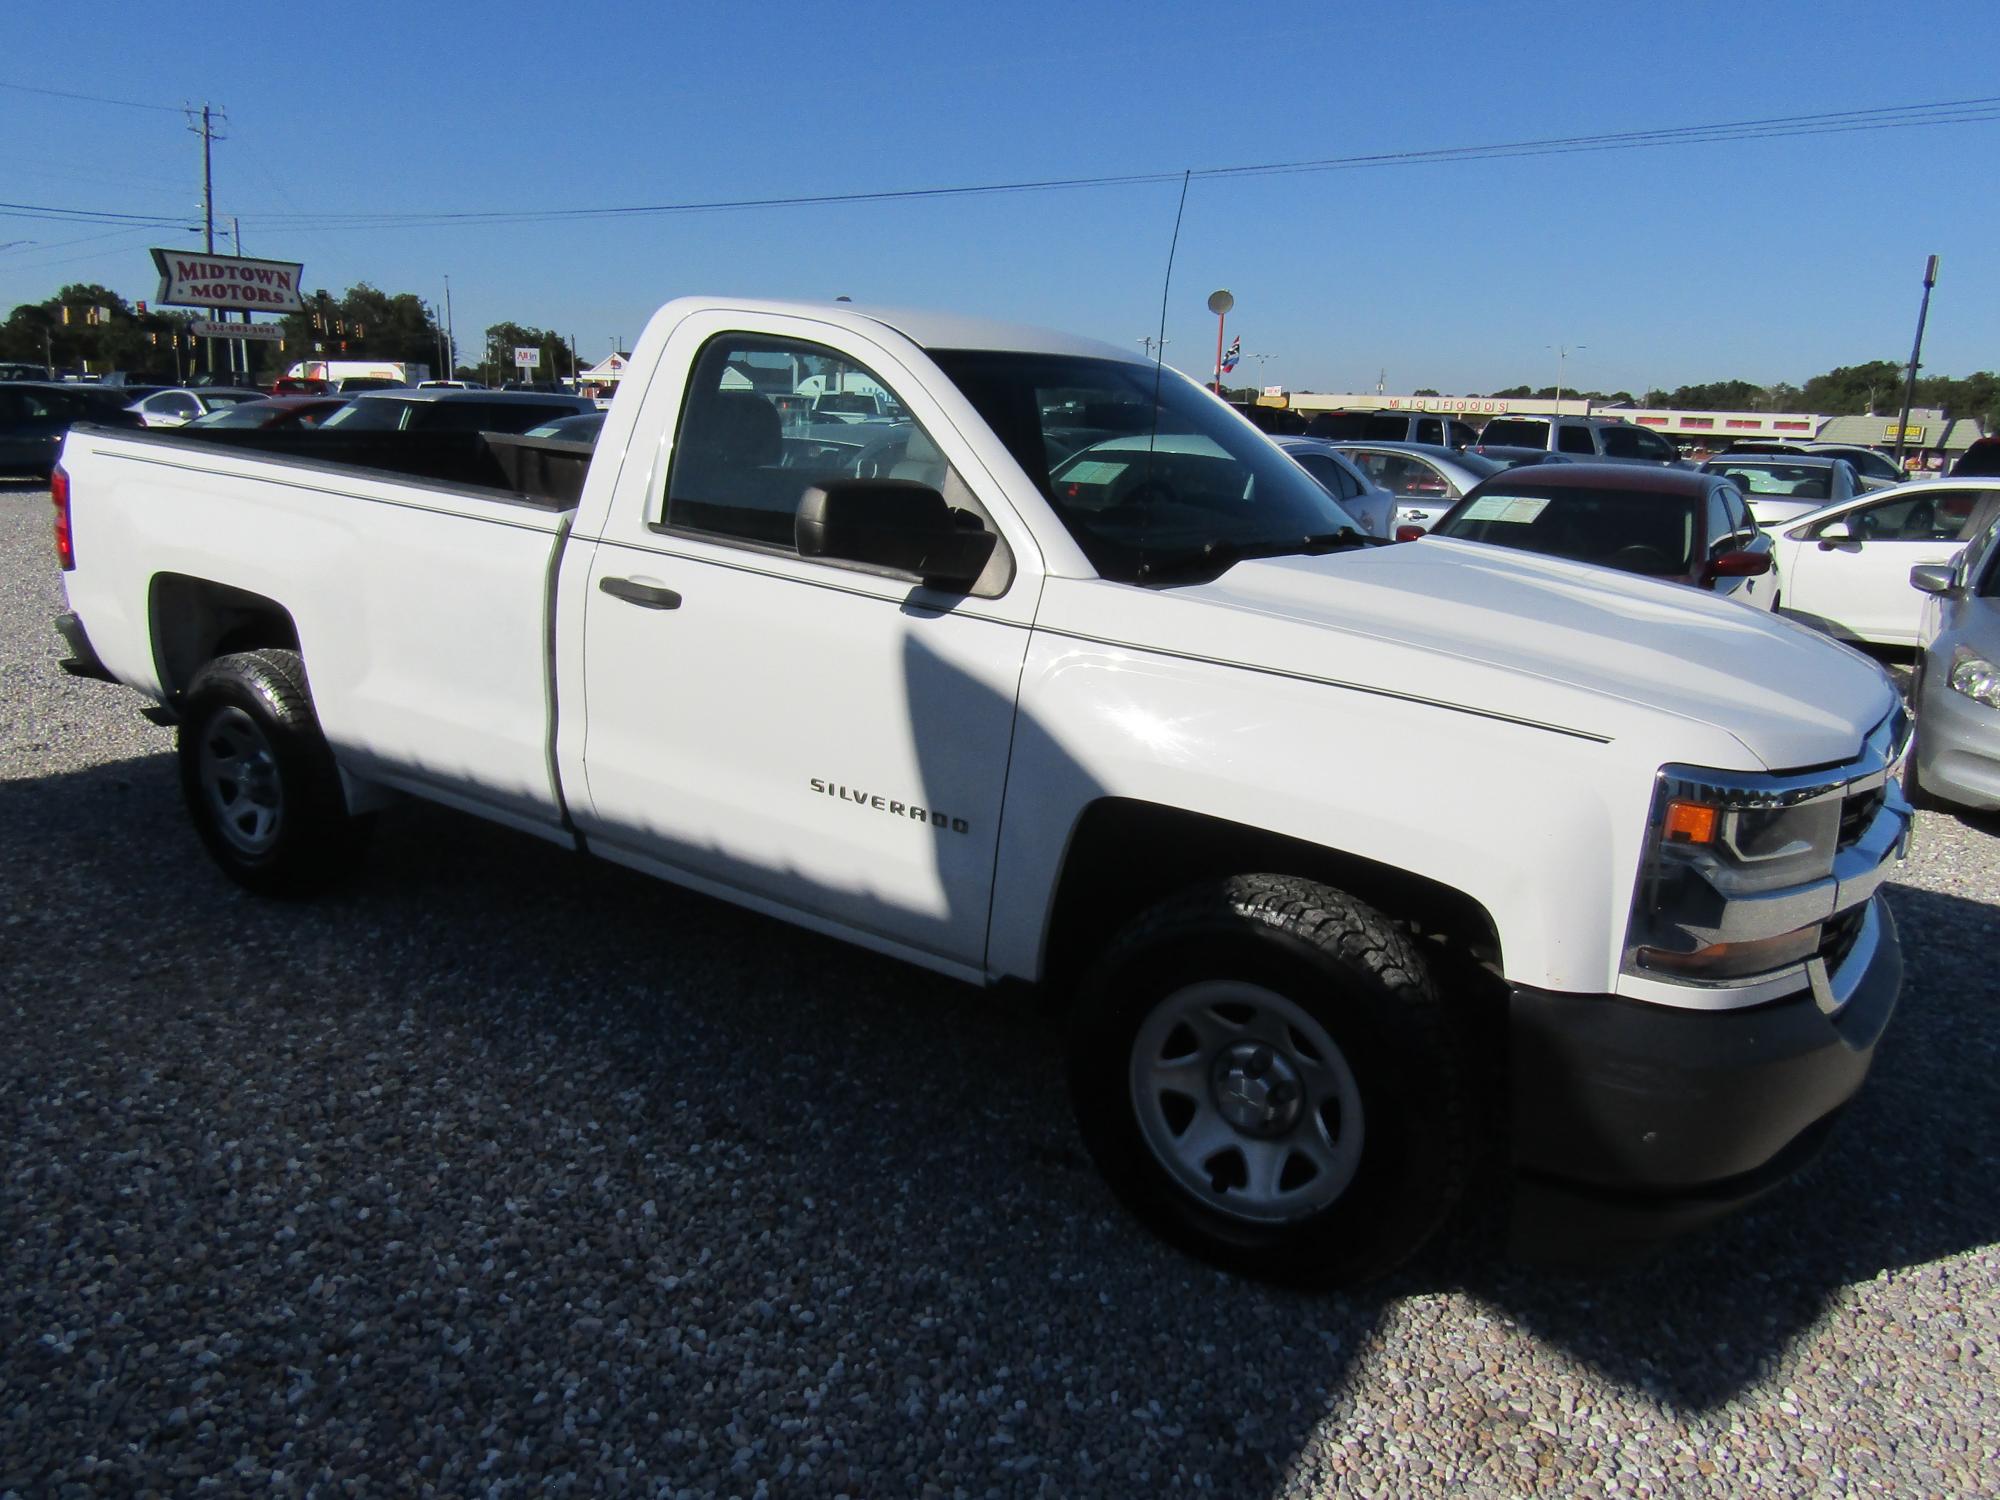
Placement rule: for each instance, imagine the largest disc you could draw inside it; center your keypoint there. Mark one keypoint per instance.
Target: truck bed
(544, 472)
(420, 599)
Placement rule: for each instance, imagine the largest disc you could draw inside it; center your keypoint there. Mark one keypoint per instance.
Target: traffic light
(65, 315)
(343, 346)
(359, 331)
(153, 339)
(142, 309)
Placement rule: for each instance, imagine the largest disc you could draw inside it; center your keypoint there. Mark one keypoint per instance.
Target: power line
(1779, 127)
(25, 88)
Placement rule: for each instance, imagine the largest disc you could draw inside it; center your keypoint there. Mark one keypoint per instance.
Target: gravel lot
(504, 1172)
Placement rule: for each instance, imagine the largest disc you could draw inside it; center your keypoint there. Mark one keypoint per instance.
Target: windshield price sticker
(1520, 510)
(1095, 471)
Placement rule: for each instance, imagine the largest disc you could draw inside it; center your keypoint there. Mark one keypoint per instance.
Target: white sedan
(177, 408)
(1846, 567)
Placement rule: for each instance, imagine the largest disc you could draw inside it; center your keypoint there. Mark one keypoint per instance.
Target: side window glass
(1411, 479)
(1927, 516)
(1721, 533)
(1571, 438)
(1651, 445)
(1619, 442)
(1430, 430)
(1458, 434)
(1331, 476)
(1739, 514)
(765, 419)
(1953, 512)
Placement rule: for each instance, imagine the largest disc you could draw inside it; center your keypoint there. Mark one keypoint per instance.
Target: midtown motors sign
(197, 279)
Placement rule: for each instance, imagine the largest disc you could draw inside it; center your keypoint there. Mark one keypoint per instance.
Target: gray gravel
(503, 1172)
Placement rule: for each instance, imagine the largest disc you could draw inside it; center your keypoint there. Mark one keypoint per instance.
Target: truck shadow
(889, 1132)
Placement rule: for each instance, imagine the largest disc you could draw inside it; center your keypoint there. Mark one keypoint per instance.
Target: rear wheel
(258, 778)
(1266, 1075)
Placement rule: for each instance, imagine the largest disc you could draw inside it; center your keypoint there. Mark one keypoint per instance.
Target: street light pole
(1916, 353)
(1563, 352)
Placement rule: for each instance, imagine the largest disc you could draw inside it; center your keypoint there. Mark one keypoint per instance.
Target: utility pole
(206, 130)
(1916, 353)
(450, 336)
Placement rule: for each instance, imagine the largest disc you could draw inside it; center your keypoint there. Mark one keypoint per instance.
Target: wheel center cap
(1256, 1089)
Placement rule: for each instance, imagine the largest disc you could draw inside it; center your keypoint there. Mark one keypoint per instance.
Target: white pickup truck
(1347, 864)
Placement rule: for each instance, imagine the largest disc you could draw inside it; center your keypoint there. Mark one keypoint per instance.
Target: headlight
(1974, 676)
(1718, 895)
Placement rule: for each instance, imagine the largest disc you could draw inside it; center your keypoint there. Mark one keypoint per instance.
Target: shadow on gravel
(653, 1177)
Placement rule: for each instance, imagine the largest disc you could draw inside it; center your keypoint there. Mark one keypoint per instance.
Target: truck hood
(1517, 636)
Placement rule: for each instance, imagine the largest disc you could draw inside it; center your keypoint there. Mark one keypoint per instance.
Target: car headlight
(1974, 676)
(1719, 893)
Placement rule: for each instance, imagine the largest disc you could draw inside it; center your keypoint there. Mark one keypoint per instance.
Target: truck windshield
(1173, 501)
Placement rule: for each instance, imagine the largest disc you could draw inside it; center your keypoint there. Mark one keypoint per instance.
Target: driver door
(801, 735)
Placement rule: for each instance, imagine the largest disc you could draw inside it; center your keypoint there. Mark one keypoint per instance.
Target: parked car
(581, 428)
(1957, 691)
(1368, 502)
(1390, 427)
(1783, 487)
(1981, 459)
(1427, 480)
(1871, 465)
(1608, 438)
(179, 406)
(451, 385)
(1671, 524)
(273, 413)
(354, 385)
(34, 415)
(408, 409)
(1873, 468)
(1846, 568)
(301, 385)
(1071, 723)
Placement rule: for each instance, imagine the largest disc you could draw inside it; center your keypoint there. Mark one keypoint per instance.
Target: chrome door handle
(645, 595)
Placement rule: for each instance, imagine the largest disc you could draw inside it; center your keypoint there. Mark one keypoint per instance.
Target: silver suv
(1605, 438)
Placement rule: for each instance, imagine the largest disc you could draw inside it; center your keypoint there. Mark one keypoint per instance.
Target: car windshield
(1172, 493)
(226, 398)
(1793, 481)
(1637, 531)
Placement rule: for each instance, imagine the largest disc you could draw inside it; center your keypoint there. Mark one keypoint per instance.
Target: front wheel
(1266, 1075)
(258, 778)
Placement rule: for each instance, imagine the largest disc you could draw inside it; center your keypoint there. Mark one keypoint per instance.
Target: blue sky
(1764, 259)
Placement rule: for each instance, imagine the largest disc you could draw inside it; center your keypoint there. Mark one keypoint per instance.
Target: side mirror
(895, 524)
(1740, 565)
(1833, 534)
(1408, 533)
(1932, 578)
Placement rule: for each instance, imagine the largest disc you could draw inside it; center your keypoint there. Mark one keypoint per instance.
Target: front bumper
(1633, 1121)
(1958, 745)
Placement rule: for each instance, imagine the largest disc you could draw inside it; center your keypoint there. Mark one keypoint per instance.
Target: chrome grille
(1837, 936)
(1857, 812)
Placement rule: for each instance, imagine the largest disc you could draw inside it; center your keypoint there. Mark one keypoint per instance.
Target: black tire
(259, 780)
(1365, 984)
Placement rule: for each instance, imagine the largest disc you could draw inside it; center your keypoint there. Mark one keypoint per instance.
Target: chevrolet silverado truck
(1340, 861)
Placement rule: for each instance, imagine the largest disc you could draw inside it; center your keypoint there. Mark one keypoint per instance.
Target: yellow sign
(1891, 434)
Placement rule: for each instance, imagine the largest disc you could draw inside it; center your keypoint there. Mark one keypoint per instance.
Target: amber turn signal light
(1690, 823)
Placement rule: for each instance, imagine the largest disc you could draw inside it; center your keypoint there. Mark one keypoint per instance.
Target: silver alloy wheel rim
(1246, 1101)
(239, 777)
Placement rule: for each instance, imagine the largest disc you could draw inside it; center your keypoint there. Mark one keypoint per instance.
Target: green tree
(502, 339)
(1853, 390)
(365, 323)
(90, 327)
